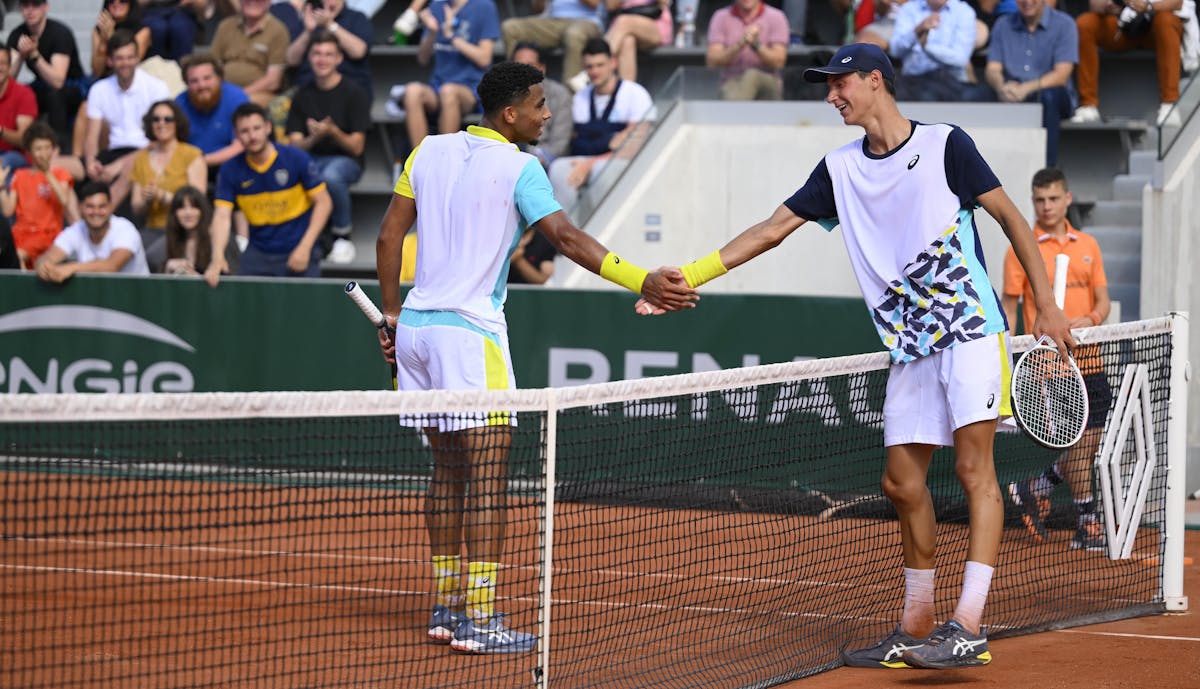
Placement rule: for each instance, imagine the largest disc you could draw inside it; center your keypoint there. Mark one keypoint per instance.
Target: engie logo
(31, 370)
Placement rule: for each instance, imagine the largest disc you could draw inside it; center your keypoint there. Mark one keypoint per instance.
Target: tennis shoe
(343, 251)
(950, 646)
(1089, 536)
(1034, 509)
(491, 637)
(888, 653)
(443, 622)
(1086, 114)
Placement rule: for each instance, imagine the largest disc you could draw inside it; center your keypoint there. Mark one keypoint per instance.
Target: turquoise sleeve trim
(533, 194)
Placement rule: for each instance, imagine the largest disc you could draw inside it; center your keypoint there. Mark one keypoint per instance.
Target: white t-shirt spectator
(122, 234)
(634, 104)
(123, 110)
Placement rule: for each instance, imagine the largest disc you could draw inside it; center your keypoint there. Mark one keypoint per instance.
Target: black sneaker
(1034, 509)
(951, 646)
(888, 653)
(1089, 536)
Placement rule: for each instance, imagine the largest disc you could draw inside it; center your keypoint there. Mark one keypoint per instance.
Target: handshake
(663, 290)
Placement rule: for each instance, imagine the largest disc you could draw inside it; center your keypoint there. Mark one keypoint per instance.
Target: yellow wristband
(623, 273)
(701, 271)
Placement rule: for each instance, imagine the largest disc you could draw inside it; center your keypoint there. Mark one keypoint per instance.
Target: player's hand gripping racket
(1049, 398)
(374, 315)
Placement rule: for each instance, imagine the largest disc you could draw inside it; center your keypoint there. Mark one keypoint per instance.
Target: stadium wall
(714, 168)
(1170, 255)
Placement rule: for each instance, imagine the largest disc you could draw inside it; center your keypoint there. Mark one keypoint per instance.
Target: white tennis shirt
(475, 195)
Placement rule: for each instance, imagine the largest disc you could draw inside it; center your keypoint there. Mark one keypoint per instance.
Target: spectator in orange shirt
(41, 197)
(1086, 304)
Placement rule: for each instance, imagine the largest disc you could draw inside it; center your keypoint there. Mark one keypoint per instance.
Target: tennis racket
(1049, 397)
(373, 314)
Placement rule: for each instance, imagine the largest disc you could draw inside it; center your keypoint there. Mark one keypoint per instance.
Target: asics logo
(847, 59)
(913, 163)
(964, 646)
(991, 400)
(898, 650)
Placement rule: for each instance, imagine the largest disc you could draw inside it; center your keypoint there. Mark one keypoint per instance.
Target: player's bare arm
(665, 288)
(1050, 319)
(760, 237)
(401, 215)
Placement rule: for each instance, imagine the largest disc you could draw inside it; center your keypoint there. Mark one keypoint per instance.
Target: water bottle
(687, 23)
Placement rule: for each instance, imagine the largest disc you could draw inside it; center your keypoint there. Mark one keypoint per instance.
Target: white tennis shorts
(451, 357)
(928, 399)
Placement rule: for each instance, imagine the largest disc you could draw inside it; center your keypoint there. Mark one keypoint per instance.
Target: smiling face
(325, 57)
(97, 211)
(203, 86)
(852, 95)
(124, 62)
(162, 123)
(530, 115)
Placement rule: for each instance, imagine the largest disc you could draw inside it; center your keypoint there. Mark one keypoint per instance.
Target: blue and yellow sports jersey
(276, 199)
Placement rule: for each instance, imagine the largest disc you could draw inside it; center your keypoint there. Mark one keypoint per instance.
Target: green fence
(114, 333)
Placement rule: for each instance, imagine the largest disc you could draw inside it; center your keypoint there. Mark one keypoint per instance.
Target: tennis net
(719, 529)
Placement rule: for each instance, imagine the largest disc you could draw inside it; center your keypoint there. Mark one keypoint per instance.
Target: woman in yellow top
(159, 170)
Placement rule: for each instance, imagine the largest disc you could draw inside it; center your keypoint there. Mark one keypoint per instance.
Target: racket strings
(1050, 396)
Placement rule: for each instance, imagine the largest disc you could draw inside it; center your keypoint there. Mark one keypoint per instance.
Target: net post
(1172, 576)
(542, 673)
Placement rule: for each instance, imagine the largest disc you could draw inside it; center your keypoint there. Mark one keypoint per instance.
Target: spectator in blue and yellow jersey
(283, 197)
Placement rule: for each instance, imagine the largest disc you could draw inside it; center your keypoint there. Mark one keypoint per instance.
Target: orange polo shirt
(1084, 273)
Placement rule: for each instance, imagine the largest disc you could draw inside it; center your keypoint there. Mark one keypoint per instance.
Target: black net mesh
(733, 538)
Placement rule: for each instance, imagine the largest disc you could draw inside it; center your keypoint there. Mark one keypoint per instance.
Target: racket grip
(1061, 262)
(372, 312)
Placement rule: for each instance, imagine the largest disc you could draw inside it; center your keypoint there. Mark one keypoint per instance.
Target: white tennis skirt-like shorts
(928, 399)
(451, 357)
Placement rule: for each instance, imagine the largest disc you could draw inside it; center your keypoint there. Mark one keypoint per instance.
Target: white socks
(977, 579)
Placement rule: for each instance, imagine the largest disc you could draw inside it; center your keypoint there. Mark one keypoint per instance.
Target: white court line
(401, 592)
(396, 560)
(1131, 636)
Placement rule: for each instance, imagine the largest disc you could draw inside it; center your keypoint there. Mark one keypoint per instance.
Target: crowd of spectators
(155, 123)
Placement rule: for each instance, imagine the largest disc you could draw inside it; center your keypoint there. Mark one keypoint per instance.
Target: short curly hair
(506, 83)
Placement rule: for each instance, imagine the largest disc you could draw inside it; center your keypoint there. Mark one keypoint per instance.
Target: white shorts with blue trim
(438, 350)
(930, 398)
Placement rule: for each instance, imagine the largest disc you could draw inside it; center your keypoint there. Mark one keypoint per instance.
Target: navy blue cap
(855, 57)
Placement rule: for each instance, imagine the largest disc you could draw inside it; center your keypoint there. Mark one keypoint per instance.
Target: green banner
(123, 334)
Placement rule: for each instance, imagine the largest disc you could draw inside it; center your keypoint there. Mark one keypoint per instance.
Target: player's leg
(975, 380)
(904, 484)
(467, 358)
(487, 448)
(444, 504)
(913, 428)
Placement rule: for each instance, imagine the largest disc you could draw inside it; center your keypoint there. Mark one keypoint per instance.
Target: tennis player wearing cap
(904, 196)
(475, 194)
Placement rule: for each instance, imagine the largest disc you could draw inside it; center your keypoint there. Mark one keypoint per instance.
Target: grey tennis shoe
(950, 646)
(888, 653)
